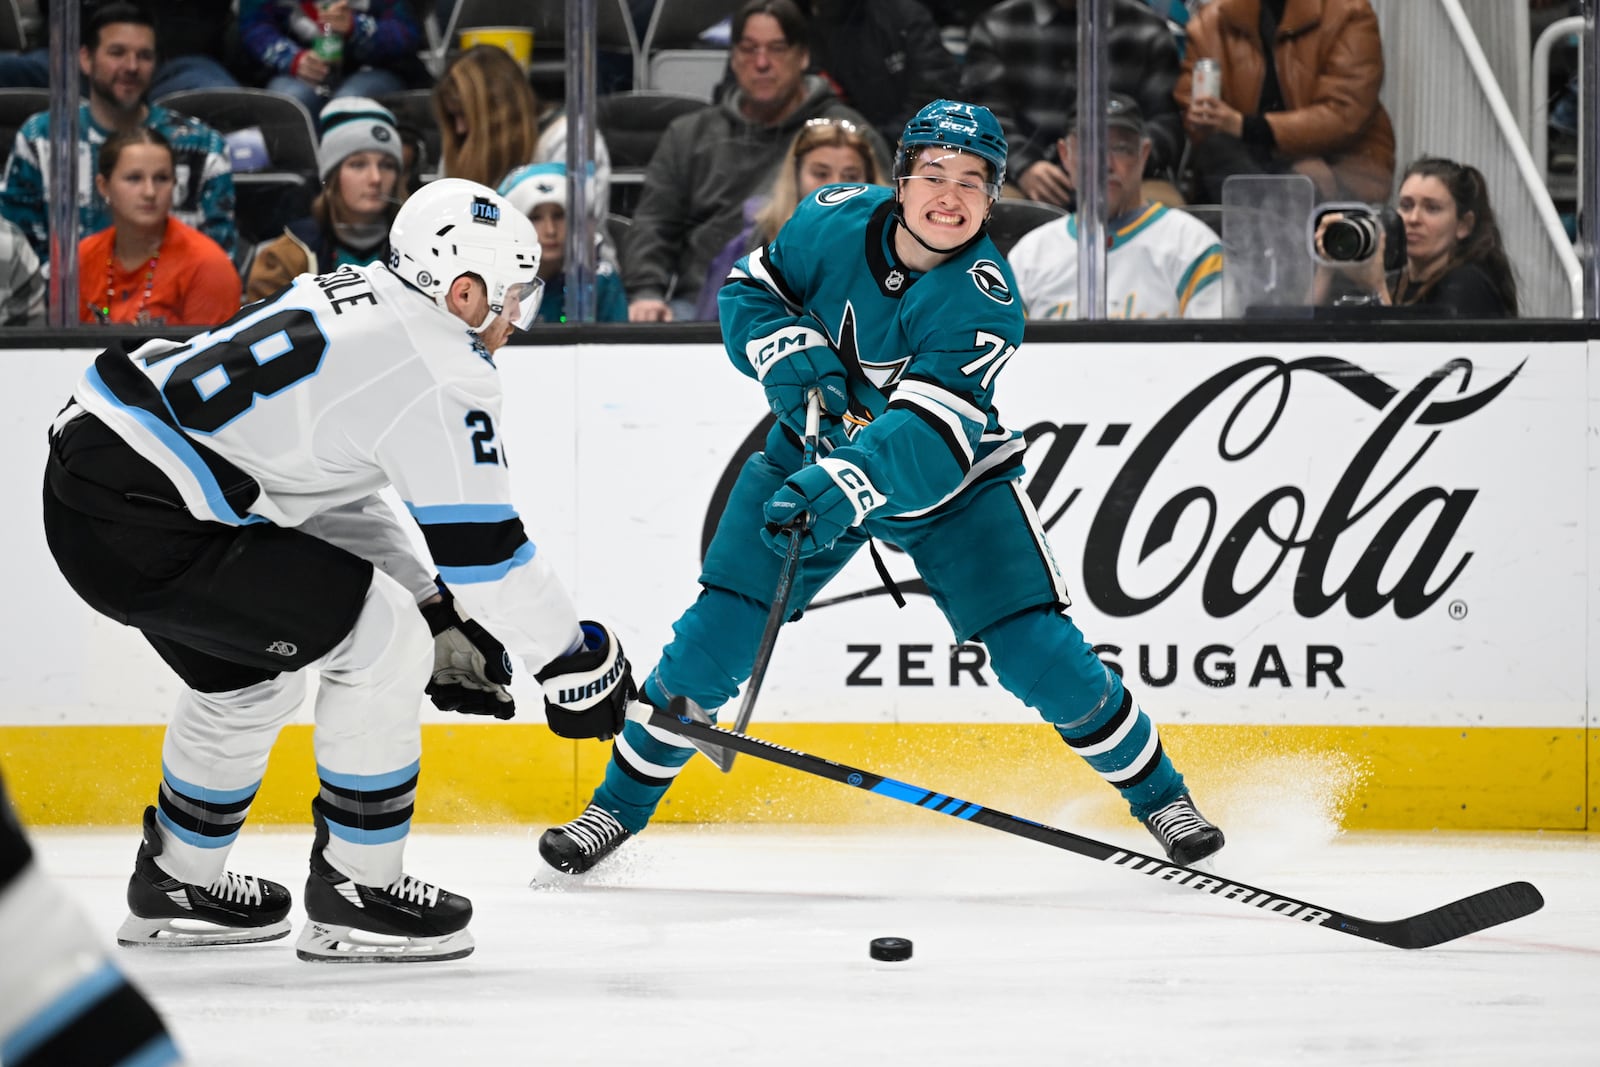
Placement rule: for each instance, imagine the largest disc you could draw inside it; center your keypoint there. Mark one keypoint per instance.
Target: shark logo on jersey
(991, 282)
(838, 194)
(881, 373)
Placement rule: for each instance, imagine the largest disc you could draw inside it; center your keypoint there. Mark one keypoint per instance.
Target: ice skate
(236, 909)
(577, 846)
(1187, 836)
(407, 921)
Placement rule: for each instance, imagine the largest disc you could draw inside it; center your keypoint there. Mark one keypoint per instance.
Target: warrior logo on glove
(587, 692)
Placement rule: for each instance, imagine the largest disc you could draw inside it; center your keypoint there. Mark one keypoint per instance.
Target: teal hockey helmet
(953, 124)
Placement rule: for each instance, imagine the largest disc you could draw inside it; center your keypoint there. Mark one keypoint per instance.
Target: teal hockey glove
(789, 364)
(817, 504)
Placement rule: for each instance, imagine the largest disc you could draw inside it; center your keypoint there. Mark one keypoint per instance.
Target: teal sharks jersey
(923, 350)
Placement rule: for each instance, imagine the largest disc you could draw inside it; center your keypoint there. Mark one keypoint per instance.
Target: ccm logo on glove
(763, 352)
(858, 488)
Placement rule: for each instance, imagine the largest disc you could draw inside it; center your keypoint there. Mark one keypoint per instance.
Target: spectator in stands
(824, 152)
(1456, 261)
(359, 158)
(539, 191)
(148, 268)
(882, 57)
(491, 122)
(29, 67)
(191, 38)
(1308, 104)
(1161, 263)
(710, 160)
(377, 45)
(117, 57)
(22, 281)
(1021, 63)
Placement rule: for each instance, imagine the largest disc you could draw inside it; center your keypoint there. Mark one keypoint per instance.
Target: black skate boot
(236, 909)
(1187, 836)
(577, 846)
(407, 921)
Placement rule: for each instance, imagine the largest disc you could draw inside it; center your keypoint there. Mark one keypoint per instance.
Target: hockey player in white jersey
(219, 494)
(1160, 262)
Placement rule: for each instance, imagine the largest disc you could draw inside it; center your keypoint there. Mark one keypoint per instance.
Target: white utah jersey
(1160, 264)
(300, 409)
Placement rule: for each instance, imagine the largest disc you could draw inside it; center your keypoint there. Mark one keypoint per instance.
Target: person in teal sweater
(539, 191)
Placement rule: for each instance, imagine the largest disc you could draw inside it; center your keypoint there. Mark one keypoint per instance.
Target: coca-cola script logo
(1282, 525)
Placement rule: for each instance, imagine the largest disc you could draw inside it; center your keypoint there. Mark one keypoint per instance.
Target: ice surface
(733, 945)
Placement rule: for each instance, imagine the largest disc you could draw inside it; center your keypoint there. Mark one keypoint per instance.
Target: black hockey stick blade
(780, 595)
(684, 708)
(1468, 915)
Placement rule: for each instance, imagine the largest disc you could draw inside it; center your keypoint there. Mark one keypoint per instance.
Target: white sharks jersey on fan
(301, 408)
(1160, 264)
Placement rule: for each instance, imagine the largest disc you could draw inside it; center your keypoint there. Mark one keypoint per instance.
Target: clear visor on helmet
(521, 303)
(942, 157)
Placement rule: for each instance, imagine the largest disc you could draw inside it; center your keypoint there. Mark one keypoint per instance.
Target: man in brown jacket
(1307, 104)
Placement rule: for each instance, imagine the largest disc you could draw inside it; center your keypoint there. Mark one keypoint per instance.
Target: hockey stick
(718, 754)
(1457, 919)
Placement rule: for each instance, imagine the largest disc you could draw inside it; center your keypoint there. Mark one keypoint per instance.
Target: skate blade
(328, 943)
(547, 875)
(136, 932)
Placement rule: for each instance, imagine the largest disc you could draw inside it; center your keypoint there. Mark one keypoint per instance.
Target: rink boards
(1360, 572)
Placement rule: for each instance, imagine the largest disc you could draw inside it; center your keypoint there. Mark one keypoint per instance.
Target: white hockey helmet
(452, 227)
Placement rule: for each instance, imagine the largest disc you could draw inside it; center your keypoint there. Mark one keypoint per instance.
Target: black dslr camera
(1354, 237)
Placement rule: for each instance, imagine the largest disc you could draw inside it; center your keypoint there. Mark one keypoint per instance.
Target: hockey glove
(817, 504)
(470, 668)
(792, 362)
(586, 693)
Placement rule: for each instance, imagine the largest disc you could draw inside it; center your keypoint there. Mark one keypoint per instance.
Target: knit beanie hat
(352, 124)
(535, 183)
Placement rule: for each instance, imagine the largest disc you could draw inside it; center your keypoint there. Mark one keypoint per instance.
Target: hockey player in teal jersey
(895, 304)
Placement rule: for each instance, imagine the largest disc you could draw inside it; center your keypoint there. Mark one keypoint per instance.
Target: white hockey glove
(587, 692)
(470, 668)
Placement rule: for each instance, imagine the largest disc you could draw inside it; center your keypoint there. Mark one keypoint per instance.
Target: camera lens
(1350, 240)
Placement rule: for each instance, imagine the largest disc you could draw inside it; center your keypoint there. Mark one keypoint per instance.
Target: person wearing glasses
(1160, 263)
(896, 306)
(709, 161)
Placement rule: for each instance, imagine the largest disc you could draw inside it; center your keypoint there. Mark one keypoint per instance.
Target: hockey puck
(890, 949)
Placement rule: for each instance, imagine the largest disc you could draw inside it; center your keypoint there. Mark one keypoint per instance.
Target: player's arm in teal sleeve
(756, 306)
(769, 338)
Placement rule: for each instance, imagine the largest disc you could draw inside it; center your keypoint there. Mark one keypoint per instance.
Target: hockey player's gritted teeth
(940, 218)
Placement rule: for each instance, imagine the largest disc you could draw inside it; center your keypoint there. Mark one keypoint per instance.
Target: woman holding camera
(1455, 261)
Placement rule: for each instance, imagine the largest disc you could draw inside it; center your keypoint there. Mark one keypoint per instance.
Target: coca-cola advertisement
(1298, 534)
